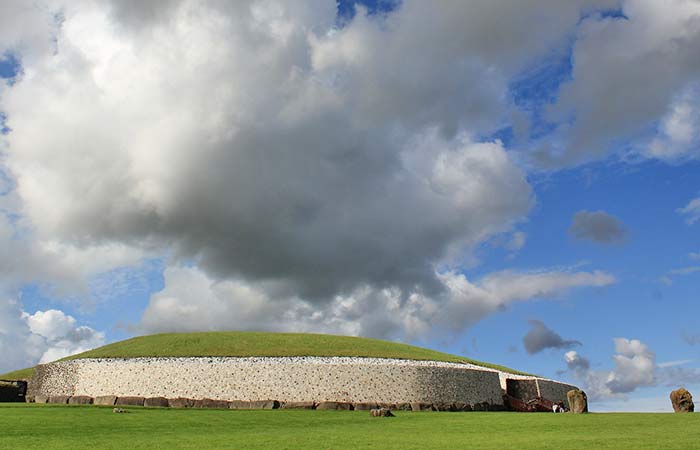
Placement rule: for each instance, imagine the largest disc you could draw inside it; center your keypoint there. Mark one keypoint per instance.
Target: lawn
(239, 343)
(72, 427)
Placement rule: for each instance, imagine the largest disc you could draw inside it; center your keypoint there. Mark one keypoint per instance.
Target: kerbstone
(105, 400)
(80, 400)
(299, 405)
(211, 404)
(156, 402)
(340, 406)
(130, 401)
(181, 402)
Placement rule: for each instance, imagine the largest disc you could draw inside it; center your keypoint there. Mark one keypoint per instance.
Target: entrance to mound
(524, 390)
(12, 391)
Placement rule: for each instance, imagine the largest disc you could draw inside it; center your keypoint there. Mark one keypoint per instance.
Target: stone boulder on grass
(682, 401)
(578, 401)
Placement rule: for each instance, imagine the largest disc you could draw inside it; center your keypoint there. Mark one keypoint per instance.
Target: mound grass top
(23, 374)
(250, 344)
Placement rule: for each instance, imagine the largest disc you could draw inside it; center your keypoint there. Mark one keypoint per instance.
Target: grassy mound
(237, 343)
(23, 374)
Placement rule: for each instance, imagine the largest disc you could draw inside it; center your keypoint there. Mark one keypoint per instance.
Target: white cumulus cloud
(45, 336)
(193, 301)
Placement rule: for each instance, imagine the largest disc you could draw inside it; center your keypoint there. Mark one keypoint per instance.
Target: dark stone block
(129, 401)
(211, 404)
(445, 407)
(365, 406)
(299, 405)
(58, 399)
(419, 406)
(239, 404)
(105, 400)
(80, 400)
(264, 404)
(339, 406)
(156, 402)
(181, 402)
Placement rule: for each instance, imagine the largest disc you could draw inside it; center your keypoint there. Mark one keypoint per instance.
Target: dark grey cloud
(576, 362)
(540, 338)
(332, 161)
(597, 226)
(326, 174)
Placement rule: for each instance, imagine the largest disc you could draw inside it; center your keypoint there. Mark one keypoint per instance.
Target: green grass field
(75, 427)
(239, 343)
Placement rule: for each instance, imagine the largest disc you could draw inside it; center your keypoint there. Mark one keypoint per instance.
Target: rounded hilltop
(263, 344)
(290, 369)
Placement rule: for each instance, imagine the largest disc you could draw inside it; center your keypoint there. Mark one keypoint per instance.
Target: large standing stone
(578, 401)
(682, 401)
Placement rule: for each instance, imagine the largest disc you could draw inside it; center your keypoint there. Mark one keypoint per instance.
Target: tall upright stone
(578, 401)
(682, 401)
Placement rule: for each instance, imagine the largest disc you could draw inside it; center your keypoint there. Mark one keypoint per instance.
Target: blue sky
(434, 174)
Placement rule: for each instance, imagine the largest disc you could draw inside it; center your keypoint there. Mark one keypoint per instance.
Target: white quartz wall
(285, 379)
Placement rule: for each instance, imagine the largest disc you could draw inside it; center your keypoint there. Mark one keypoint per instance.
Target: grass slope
(240, 343)
(70, 427)
(23, 374)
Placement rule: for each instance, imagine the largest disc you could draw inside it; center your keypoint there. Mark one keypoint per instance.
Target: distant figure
(559, 407)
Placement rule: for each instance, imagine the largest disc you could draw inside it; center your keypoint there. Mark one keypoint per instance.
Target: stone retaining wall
(287, 380)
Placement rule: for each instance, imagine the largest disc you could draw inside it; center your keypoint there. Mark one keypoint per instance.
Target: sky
(516, 182)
